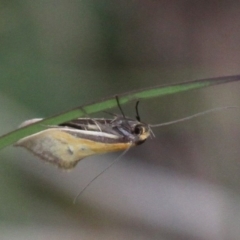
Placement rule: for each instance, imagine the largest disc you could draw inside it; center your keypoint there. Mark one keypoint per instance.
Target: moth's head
(132, 130)
(140, 131)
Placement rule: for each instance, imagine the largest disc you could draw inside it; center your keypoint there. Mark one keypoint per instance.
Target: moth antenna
(124, 117)
(192, 116)
(119, 106)
(137, 112)
(103, 171)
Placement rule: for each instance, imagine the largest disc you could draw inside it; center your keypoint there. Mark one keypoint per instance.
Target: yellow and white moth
(66, 144)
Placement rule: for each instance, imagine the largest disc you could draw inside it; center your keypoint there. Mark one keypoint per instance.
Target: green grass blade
(104, 104)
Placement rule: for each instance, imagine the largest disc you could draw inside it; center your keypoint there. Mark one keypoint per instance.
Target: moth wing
(56, 147)
(31, 121)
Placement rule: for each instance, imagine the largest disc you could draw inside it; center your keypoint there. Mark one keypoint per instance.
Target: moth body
(66, 144)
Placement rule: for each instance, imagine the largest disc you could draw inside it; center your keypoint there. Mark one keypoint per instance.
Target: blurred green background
(183, 184)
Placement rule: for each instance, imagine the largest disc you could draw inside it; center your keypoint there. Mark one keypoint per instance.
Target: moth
(66, 144)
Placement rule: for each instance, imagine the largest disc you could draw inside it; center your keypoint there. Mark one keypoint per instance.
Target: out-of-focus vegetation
(183, 184)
